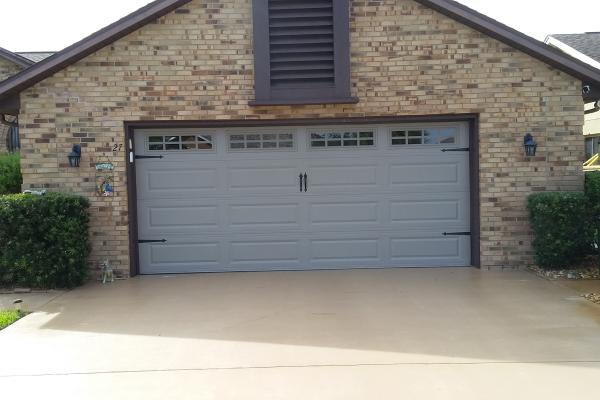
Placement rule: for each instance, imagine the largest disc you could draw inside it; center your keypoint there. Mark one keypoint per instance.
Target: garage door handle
(144, 157)
(301, 177)
(153, 241)
(457, 149)
(457, 233)
(305, 182)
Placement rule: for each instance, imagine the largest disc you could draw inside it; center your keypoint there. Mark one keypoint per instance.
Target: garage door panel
(343, 212)
(275, 177)
(250, 216)
(180, 257)
(265, 251)
(442, 211)
(159, 179)
(342, 176)
(425, 174)
(453, 250)
(165, 217)
(157, 220)
(344, 250)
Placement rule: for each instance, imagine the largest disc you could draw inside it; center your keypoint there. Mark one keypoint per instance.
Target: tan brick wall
(7, 69)
(197, 64)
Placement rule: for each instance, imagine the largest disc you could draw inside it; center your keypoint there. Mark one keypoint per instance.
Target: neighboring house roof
(586, 43)
(158, 8)
(15, 58)
(36, 56)
(584, 46)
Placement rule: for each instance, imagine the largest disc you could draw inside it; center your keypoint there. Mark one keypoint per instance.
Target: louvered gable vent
(301, 43)
(301, 51)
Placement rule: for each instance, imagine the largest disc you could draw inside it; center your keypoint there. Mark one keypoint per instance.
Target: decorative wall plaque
(105, 179)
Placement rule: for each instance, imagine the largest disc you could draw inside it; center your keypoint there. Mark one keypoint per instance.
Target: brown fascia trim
(283, 102)
(516, 39)
(248, 123)
(15, 58)
(87, 46)
(471, 119)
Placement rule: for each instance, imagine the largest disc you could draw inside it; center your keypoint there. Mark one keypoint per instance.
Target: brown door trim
(471, 119)
(475, 203)
(131, 200)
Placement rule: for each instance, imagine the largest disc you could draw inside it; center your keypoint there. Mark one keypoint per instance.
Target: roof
(15, 58)
(586, 43)
(583, 46)
(47, 67)
(36, 56)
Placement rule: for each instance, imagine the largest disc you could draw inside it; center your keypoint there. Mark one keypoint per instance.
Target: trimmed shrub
(592, 192)
(561, 232)
(10, 174)
(44, 240)
(592, 196)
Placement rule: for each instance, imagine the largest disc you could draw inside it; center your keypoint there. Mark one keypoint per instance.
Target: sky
(52, 25)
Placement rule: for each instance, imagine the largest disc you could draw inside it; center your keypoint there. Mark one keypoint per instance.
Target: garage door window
(433, 136)
(352, 139)
(179, 143)
(258, 141)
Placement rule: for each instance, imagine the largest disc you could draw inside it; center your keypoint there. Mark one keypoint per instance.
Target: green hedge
(592, 192)
(561, 228)
(44, 240)
(10, 174)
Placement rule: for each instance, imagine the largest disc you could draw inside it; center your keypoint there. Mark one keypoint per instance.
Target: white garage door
(302, 198)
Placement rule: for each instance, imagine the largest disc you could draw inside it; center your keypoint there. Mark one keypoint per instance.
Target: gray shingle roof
(36, 56)
(586, 43)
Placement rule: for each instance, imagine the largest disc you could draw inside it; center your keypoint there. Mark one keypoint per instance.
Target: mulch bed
(593, 297)
(587, 270)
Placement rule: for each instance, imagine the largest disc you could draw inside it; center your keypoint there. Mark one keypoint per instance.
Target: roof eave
(15, 58)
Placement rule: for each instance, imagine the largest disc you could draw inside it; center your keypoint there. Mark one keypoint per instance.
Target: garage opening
(300, 198)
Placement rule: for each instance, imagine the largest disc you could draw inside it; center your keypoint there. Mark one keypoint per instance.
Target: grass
(8, 317)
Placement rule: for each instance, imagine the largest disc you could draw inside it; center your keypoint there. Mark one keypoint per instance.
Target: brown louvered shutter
(301, 43)
(301, 51)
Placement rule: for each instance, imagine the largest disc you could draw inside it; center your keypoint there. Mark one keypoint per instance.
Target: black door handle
(305, 182)
(300, 182)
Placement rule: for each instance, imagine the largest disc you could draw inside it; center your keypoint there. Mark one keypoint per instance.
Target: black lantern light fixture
(530, 145)
(75, 156)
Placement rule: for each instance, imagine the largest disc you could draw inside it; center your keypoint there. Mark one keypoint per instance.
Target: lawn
(8, 317)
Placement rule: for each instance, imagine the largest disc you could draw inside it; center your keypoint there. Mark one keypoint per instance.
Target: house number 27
(117, 147)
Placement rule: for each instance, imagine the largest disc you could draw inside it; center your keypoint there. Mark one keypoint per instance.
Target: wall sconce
(530, 145)
(75, 156)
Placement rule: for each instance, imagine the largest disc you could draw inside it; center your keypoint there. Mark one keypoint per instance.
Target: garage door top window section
(261, 141)
(301, 52)
(179, 143)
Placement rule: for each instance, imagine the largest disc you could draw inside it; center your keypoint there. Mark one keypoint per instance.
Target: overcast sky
(34, 25)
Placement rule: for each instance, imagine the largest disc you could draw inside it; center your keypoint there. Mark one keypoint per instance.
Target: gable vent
(301, 43)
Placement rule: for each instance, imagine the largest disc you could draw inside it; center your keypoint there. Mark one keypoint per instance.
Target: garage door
(302, 198)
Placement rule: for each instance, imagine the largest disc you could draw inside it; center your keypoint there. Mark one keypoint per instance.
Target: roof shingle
(586, 43)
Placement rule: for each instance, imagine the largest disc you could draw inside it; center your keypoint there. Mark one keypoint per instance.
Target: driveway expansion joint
(242, 368)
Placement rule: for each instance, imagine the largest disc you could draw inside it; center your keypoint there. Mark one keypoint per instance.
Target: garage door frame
(471, 119)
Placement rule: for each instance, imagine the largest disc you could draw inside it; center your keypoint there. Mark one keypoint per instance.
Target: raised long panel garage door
(302, 198)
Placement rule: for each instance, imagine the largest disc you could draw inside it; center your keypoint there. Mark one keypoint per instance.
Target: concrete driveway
(359, 334)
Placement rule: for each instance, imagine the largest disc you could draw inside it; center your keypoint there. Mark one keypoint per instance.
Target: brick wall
(7, 69)
(196, 64)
